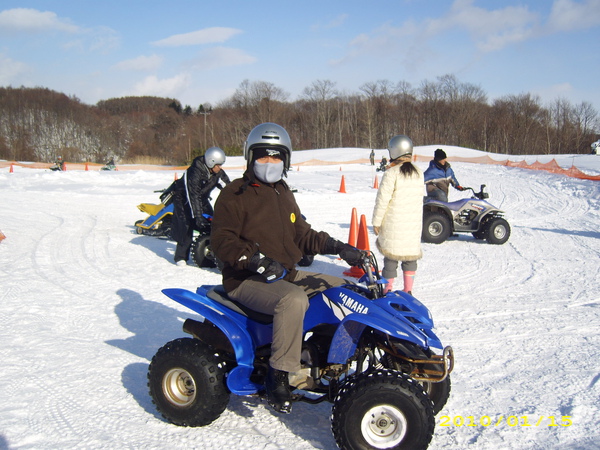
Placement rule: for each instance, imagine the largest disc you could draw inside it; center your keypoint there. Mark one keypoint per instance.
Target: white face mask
(268, 172)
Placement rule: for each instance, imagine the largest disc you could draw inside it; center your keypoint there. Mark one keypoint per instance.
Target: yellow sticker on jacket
(293, 218)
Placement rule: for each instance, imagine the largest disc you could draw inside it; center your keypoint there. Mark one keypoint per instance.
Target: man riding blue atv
(371, 355)
(294, 335)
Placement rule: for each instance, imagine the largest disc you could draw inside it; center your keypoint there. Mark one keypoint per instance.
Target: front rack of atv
(421, 370)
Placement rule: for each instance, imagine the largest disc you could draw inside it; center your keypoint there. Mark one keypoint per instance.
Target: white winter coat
(399, 215)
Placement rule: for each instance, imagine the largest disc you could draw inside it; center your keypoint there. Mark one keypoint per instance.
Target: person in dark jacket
(258, 236)
(191, 199)
(439, 176)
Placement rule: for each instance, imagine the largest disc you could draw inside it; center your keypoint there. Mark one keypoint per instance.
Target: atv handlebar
(372, 278)
(481, 195)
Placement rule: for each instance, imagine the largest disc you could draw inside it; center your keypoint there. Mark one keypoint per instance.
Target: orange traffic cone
(343, 186)
(175, 176)
(86, 167)
(376, 183)
(362, 244)
(11, 170)
(353, 234)
(2, 237)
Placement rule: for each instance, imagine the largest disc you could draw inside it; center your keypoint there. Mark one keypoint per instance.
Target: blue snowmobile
(374, 356)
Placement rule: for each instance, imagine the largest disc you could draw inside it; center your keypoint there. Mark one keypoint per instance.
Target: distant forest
(38, 124)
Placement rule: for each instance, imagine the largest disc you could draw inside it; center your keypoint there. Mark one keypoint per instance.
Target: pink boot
(409, 279)
(389, 286)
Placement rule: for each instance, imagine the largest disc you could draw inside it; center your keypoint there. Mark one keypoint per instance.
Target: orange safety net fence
(551, 166)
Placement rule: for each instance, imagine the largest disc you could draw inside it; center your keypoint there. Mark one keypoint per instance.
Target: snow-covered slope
(82, 314)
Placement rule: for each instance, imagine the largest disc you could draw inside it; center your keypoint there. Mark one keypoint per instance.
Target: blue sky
(200, 51)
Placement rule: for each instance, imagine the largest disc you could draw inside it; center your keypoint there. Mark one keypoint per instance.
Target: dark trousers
(182, 251)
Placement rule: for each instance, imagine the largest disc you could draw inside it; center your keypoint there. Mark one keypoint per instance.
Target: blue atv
(374, 356)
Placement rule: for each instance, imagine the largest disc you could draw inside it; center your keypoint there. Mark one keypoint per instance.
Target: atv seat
(218, 294)
(151, 209)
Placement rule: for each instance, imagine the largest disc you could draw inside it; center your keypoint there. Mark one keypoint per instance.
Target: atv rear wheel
(497, 231)
(187, 383)
(201, 252)
(383, 409)
(479, 234)
(436, 228)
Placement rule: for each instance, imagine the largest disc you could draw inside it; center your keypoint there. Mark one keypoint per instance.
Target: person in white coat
(398, 214)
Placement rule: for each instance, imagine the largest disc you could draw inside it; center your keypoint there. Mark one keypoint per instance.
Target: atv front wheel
(436, 228)
(384, 410)
(438, 392)
(201, 252)
(187, 383)
(497, 231)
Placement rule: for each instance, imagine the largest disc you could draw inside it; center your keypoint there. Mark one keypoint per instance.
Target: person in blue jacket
(439, 176)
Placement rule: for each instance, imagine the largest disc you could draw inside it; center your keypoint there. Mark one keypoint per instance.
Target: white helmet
(214, 156)
(399, 146)
(269, 135)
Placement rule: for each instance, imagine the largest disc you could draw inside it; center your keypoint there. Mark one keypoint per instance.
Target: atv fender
(351, 328)
(238, 379)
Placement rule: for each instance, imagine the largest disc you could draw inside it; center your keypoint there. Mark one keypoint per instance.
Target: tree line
(38, 124)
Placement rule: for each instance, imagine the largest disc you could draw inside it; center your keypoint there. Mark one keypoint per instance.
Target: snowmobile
(59, 166)
(469, 215)
(158, 222)
(109, 165)
(382, 165)
(374, 356)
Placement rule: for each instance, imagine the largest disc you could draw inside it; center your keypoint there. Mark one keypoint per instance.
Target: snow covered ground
(82, 313)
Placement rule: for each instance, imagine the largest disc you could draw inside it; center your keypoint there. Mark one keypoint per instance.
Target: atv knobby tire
(438, 392)
(201, 252)
(187, 383)
(384, 409)
(436, 228)
(497, 231)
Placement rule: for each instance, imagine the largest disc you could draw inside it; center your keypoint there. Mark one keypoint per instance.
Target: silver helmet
(214, 156)
(269, 135)
(399, 146)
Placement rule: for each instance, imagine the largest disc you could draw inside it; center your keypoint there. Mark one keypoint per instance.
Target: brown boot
(279, 395)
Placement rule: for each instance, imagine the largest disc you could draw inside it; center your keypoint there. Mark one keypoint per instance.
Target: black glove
(351, 255)
(201, 222)
(267, 267)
